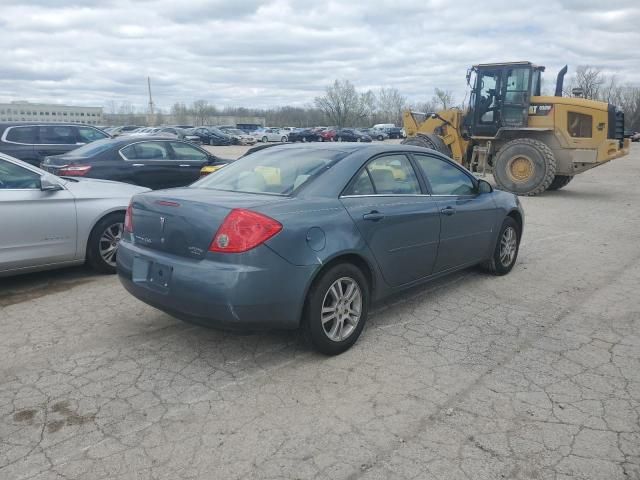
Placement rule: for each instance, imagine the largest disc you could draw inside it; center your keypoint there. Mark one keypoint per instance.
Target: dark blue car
(310, 235)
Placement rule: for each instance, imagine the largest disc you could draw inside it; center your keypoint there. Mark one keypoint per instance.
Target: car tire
(320, 139)
(358, 139)
(283, 139)
(265, 139)
(339, 139)
(506, 250)
(343, 310)
(103, 242)
(304, 139)
(380, 138)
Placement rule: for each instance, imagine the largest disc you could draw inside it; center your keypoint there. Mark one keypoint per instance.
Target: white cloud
(264, 53)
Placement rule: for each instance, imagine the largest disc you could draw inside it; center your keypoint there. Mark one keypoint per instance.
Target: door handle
(373, 216)
(137, 165)
(184, 165)
(448, 211)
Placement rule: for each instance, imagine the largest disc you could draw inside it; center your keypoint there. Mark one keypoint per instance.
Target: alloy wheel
(108, 244)
(508, 246)
(341, 309)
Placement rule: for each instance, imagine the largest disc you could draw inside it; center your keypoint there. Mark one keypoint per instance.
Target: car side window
(88, 134)
(393, 175)
(22, 135)
(13, 177)
(444, 178)
(187, 152)
(361, 185)
(146, 151)
(57, 135)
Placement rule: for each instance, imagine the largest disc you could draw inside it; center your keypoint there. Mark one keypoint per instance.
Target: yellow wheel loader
(529, 142)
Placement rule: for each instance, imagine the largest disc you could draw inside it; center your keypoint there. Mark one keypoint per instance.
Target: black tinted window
(22, 135)
(57, 135)
(147, 151)
(445, 179)
(15, 177)
(185, 151)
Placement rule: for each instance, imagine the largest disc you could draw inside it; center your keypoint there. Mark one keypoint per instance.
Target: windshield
(278, 172)
(93, 148)
(235, 131)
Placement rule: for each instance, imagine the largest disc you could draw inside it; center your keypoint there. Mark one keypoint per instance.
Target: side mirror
(47, 184)
(484, 186)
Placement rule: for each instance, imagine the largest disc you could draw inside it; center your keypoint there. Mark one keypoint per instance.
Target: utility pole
(151, 115)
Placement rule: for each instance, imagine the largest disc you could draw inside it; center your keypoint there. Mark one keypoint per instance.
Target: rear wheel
(429, 140)
(103, 243)
(304, 139)
(336, 309)
(210, 141)
(560, 181)
(380, 138)
(524, 166)
(506, 250)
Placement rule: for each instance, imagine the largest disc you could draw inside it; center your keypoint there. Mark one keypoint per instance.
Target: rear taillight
(128, 219)
(243, 230)
(74, 171)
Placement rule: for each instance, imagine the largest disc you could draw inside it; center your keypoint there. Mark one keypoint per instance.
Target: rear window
(22, 135)
(279, 172)
(57, 135)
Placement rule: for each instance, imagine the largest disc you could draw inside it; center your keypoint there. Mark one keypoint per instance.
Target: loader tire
(428, 140)
(524, 166)
(560, 181)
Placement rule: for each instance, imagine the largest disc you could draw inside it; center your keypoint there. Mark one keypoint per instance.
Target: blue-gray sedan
(310, 235)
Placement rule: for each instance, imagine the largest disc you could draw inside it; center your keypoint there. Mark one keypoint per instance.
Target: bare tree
(342, 104)
(443, 98)
(390, 105)
(589, 80)
(180, 113)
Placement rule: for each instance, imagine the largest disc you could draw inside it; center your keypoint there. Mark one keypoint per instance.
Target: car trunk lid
(183, 221)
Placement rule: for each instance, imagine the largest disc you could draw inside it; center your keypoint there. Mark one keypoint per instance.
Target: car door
(18, 141)
(189, 160)
(468, 218)
(151, 163)
(55, 140)
(397, 218)
(38, 227)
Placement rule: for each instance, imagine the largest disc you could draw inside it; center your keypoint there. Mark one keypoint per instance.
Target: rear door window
(393, 175)
(57, 135)
(26, 135)
(147, 151)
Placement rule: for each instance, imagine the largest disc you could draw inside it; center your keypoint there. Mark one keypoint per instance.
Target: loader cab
(500, 96)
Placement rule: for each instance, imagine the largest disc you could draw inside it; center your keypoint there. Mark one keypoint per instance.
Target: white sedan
(50, 222)
(271, 135)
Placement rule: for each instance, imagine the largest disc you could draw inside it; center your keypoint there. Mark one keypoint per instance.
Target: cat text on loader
(531, 143)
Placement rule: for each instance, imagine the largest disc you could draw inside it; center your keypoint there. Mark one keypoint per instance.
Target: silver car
(50, 222)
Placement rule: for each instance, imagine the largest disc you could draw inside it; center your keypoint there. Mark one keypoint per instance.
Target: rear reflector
(243, 230)
(74, 171)
(128, 219)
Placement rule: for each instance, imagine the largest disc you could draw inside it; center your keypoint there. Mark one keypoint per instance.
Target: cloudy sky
(283, 52)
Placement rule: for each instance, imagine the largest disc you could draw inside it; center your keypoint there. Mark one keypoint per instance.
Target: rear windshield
(92, 149)
(274, 171)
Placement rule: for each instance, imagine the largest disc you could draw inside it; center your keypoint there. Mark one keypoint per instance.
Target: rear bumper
(267, 294)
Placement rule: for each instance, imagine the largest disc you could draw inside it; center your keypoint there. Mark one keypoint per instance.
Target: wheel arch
(517, 217)
(83, 249)
(354, 258)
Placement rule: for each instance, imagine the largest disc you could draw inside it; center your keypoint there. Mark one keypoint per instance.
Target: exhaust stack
(560, 81)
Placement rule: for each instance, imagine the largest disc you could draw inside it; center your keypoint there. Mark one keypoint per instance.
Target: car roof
(370, 148)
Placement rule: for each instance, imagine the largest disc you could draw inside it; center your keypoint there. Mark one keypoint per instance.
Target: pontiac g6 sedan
(308, 236)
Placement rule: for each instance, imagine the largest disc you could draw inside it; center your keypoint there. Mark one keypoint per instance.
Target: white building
(21, 111)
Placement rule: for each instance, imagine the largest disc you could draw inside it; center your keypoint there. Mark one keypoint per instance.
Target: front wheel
(265, 139)
(505, 252)
(103, 243)
(336, 309)
(283, 139)
(339, 139)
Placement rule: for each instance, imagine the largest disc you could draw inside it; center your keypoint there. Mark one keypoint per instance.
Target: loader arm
(447, 124)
